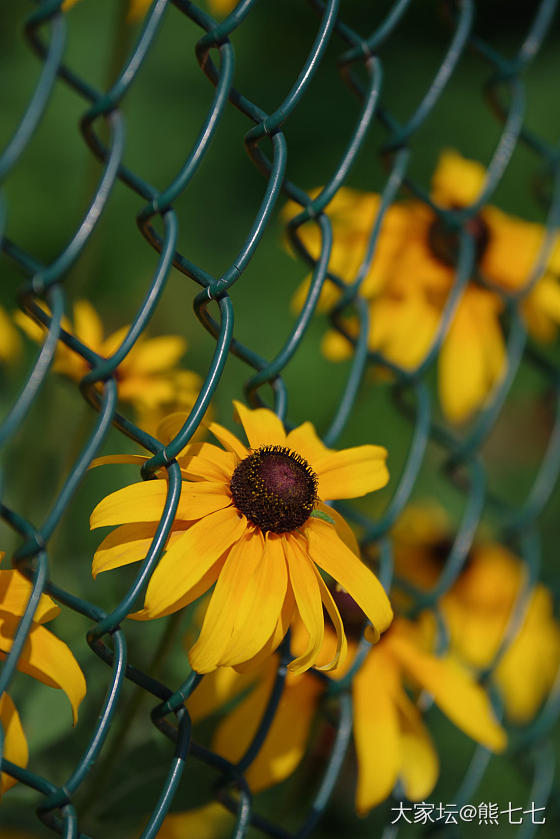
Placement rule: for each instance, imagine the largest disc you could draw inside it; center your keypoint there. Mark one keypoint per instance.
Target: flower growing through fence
(253, 521)
(147, 377)
(478, 609)
(44, 657)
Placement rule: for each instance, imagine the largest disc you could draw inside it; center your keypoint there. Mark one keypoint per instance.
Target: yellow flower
(352, 214)
(147, 377)
(391, 740)
(44, 657)
(246, 521)
(478, 609)
(407, 307)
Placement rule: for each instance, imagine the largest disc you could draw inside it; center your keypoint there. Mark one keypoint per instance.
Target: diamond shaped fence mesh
(84, 783)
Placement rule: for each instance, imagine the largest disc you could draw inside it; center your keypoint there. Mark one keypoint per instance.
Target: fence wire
(102, 127)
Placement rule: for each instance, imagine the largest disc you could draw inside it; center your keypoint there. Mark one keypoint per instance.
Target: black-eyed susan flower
(44, 657)
(478, 609)
(406, 310)
(255, 522)
(148, 376)
(392, 743)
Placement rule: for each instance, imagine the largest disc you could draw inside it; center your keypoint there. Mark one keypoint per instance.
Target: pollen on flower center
(275, 488)
(444, 243)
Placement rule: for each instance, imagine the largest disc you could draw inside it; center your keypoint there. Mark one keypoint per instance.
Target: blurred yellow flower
(478, 609)
(147, 377)
(252, 521)
(413, 271)
(44, 657)
(391, 740)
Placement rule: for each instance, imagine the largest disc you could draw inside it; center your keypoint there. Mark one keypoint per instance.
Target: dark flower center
(275, 488)
(444, 243)
(440, 550)
(352, 616)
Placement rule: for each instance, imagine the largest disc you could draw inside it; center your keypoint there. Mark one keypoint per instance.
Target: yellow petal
(15, 744)
(156, 354)
(285, 742)
(351, 472)
(308, 602)
(127, 543)
(15, 591)
(332, 555)
(259, 610)
(454, 691)
(138, 459)
(216, 690)
(471, 360)
(222, 615)
(420, 765)
(335, 346)
(342, 527)
(333, 613)
(457, 181)
(145, 502)
(211, 821)
(305, 441)
(376, 732)
(48, 659)
(228, 440)
(208, 462)
(87, 325)
(188, 560)
(282, 626)
(262, 427)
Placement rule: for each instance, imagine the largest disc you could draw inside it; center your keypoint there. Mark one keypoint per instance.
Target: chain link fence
(159, 216)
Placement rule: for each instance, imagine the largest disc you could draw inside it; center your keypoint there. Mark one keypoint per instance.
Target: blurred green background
(46, 195)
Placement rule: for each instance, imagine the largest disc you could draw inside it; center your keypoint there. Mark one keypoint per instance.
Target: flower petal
(454, 690)
(87, 325)
(207, 462)
(333, 613)
(228, 440)
(351, 472)
(305, 441)
(145, 501)
(259, 610)
(156, 354)
(216, 690)
(211, 821)
(15, 744)
(15, 591)
(138, 459)
(332, 555)
(342, 527)
(127, 543)
(280, 630)
(262, 426)
(308, 602)
(376, 732)
(420, 765)
(185, 563)
(222, 613)
(284, 745)
(48, 659)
